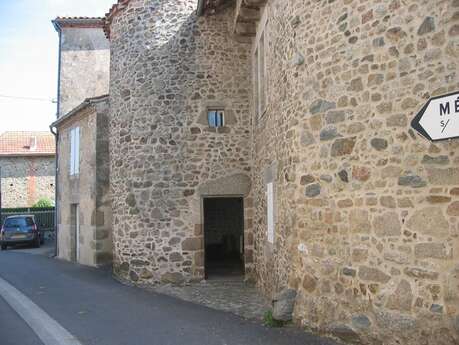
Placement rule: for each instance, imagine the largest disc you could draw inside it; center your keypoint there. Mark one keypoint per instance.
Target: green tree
(42, 203)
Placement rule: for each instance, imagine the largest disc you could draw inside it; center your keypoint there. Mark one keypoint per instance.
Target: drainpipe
(56, 187)
(200, 9)
(55, 132)
(1, 223)
(59, 32)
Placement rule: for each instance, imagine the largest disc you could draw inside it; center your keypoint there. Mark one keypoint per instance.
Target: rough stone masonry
(367, 211)
(164, 155)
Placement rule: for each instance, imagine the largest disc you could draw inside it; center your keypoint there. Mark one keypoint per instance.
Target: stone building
(273, 136)
(83, 202)
(84, 211)
(84, 57)
(367, 228)
(166, 159)
(27, 168)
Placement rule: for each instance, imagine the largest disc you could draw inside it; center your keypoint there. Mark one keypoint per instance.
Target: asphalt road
(13, 330)
(98, 310)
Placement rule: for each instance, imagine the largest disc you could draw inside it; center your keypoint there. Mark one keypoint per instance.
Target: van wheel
(36, 243)
(4, 246)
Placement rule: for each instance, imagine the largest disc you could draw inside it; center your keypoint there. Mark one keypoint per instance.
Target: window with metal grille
(216, 118)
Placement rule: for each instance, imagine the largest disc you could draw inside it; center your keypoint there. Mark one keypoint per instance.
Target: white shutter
(270, 208)
(72, 151)
(77, 150)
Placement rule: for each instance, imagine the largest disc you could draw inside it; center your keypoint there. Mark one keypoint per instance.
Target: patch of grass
(270, 321)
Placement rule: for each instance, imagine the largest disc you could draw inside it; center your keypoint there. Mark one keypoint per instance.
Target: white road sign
(439, 118)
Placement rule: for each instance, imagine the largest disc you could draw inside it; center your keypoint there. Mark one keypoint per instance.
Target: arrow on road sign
(439, 118)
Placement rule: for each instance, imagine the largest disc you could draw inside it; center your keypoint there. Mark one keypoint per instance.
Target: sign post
(439, 118)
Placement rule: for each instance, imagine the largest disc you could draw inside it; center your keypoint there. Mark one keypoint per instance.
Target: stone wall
(84, 66)
(102, 216)
(89, 189)
(164, 155)
(25, 180)
(367, 210)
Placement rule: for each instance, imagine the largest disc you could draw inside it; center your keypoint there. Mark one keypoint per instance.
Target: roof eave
(78, 22)
(28, 154)
(114, 10)
(86, 103)
(56, 25)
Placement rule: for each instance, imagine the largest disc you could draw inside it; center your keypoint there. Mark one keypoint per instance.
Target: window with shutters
(75, 151)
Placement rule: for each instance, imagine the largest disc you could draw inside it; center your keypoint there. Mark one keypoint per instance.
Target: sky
(28, 58)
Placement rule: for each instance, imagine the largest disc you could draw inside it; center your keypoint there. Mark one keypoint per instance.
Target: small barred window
(216, 118)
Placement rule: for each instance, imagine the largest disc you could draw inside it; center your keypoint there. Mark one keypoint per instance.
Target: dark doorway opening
(224, 236)
(75, 232)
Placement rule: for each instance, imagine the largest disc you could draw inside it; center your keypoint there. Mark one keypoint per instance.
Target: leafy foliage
(43, 203)
(270, 321)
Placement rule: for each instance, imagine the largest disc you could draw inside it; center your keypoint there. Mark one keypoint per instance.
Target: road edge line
(44, 326)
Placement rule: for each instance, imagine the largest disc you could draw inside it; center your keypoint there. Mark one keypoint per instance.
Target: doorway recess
(224, 236)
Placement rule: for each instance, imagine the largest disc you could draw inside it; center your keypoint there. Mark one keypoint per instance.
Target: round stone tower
(169, 68)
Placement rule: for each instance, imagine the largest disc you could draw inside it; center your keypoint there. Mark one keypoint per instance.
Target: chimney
(33, 143)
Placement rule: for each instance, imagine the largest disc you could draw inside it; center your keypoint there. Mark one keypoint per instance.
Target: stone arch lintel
(237, 184)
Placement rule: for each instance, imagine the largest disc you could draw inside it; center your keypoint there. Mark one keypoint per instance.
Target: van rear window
(18, 222)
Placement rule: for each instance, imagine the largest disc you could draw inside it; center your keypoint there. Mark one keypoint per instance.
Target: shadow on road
(46, 249)
(98, 310)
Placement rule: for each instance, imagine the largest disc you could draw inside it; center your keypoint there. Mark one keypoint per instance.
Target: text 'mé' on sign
(439, 118)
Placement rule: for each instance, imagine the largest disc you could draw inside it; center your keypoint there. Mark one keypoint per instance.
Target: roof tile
(27, 144)
(79, 22)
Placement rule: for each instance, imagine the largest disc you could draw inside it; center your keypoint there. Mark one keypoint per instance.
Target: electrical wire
(29, 98)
